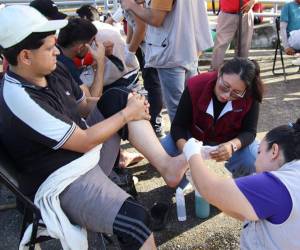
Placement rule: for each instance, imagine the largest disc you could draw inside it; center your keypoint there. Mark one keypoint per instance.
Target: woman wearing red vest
(221, 109)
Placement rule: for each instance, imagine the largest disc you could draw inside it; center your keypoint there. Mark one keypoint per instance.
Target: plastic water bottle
(202, 207)
(180, 205)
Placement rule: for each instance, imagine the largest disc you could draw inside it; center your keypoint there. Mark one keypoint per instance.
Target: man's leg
(152, 85)
(172, 82)
(191, 70)
(227, 25)
(247, 32)
(242, 162)
(99, 205)
(110, 148)
(143, 138)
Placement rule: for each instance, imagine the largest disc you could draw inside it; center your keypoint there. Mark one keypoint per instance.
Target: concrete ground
(281, 105)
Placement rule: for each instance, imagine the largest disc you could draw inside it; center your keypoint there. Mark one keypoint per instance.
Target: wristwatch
(233, 146)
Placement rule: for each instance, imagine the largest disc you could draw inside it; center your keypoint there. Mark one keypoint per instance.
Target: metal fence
(63, 4)
(113, 4)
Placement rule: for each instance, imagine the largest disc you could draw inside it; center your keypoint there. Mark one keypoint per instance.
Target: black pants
(111, 102)
(152, 85)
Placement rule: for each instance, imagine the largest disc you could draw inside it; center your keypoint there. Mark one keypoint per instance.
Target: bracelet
(233, 146)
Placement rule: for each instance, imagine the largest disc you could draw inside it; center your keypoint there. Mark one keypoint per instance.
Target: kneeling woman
(221, 108)
(268, 201)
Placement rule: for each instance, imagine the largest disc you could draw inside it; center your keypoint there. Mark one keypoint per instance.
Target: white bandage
(191, 148)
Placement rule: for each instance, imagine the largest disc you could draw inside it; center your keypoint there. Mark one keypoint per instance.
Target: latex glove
(205, 151)
(191, 148)
(130, 58)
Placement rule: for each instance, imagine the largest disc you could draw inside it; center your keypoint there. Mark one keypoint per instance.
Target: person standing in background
(170, 46)
(228, 28)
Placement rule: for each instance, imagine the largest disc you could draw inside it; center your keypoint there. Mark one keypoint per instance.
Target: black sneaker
(124, 180)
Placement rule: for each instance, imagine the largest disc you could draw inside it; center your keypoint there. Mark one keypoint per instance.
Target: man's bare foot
(129, 158)
(174, 171)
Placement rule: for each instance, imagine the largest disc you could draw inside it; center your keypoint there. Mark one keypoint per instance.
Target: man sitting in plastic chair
(290, 29)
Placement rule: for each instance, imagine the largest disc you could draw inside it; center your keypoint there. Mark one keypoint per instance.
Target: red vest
(203, 127)
(231, 6)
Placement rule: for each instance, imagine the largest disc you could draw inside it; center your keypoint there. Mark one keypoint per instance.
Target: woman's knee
(242, 162)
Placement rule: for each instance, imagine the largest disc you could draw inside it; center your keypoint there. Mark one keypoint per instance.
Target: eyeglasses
(227, 89)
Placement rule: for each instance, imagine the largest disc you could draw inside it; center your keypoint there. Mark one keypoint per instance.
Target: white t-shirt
(107, 32)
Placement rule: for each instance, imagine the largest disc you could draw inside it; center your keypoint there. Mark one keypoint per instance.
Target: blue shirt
(290, 14)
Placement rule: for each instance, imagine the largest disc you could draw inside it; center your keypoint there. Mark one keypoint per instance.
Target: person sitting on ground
(290, 28)
(221, 109)
(64, 159)
(268, 202)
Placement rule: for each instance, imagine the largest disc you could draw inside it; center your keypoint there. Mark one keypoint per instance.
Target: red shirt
(203, 126)
(231, 6)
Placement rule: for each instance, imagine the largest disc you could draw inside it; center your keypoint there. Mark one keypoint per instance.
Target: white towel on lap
(47, 200)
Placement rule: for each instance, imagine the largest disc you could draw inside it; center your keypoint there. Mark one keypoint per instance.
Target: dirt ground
(280, 106)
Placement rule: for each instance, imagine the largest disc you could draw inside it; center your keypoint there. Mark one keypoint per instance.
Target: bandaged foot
(191, 148)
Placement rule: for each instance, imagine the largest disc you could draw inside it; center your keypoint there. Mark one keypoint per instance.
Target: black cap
(48, 8)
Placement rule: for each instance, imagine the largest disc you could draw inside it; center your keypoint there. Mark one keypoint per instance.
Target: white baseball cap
(19, 21)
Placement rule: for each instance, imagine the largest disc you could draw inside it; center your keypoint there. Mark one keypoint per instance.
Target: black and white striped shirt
(36, 121)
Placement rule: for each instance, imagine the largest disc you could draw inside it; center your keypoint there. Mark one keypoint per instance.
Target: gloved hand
(191, 148)
(205, 151)
(130, 58)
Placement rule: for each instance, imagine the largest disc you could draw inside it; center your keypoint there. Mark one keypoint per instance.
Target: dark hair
(288, 139)
(32, 42)
(88, 12)
(249, 72)
(78, 30)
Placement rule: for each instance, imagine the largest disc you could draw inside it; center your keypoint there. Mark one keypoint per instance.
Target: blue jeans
(241, 163)
(172, 81)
